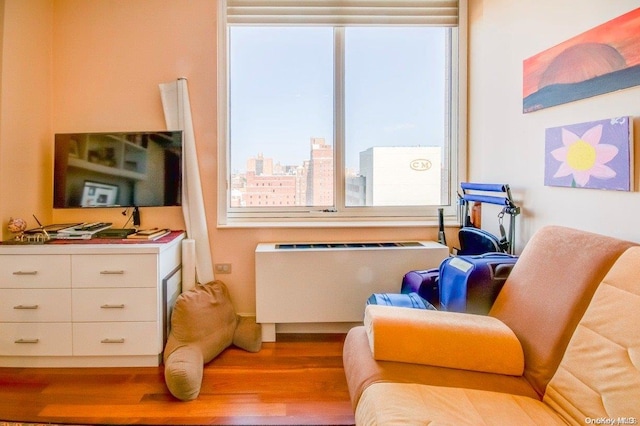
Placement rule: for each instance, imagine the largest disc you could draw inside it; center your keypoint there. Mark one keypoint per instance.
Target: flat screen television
(120, 169)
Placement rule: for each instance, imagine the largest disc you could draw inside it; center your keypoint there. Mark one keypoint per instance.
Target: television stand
(135, 215)
(88, 303)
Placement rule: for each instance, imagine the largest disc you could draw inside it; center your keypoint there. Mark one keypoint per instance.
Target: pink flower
(584, 156)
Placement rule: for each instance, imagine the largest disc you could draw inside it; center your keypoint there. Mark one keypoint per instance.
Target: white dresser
(87, 304)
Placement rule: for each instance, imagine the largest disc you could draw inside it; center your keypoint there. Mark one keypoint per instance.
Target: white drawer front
(115, 304)
(35, 339)
(35, 271)
(35, 305)
(114, 270)
(108, 338)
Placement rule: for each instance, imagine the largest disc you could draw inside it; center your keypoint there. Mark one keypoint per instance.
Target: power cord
(125, 212)
(134, 218)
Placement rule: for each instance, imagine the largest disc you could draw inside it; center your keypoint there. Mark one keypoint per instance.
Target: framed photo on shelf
(96, 194)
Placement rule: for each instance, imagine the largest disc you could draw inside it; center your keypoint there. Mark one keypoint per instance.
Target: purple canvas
(595, 154)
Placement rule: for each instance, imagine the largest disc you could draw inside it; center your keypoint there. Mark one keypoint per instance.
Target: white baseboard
(269, 331)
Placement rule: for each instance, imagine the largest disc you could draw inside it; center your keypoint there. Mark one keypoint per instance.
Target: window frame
(455, 153)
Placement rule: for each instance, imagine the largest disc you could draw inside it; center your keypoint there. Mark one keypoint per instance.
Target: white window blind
(343, 12)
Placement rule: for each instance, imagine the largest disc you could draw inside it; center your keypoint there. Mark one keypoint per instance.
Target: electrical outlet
(222, 268)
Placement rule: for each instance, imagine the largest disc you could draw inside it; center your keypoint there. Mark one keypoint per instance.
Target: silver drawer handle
(121, 306)
(27, 341)
(25, 307)
(121, 340)
(25, 273)
(112, 272)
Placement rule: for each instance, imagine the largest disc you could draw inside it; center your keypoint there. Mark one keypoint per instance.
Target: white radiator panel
(331, 284)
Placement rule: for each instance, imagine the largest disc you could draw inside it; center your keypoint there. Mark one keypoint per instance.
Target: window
(326, 117)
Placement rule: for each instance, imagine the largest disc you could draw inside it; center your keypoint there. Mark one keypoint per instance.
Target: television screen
(123, 169)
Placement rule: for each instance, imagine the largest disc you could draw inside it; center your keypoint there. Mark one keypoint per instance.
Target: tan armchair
(403, 375)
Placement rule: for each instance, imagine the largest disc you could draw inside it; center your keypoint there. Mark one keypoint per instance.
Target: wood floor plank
(297, 380)
(216, 408)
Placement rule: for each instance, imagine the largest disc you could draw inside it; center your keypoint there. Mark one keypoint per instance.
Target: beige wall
(25, 111)
(78, 65)
(108, 59)
(507, 145)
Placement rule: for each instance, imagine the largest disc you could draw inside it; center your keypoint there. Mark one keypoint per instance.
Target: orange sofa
(536, 358)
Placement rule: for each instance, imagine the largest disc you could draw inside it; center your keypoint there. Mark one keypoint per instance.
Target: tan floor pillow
(203, 324)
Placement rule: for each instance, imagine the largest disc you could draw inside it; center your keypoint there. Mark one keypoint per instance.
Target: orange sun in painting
(582, 62)
(612, 48)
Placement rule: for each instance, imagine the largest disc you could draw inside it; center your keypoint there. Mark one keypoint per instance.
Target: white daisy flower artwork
(595, 154)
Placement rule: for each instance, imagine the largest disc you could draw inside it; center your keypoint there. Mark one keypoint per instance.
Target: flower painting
(595, 154)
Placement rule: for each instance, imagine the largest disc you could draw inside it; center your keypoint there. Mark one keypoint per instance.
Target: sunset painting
(596, 154)
(601, 60)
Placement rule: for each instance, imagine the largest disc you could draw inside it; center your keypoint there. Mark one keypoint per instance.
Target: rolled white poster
(188, 264)
(177, 110)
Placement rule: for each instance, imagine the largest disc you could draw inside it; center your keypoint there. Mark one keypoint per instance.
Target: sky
(281, 90)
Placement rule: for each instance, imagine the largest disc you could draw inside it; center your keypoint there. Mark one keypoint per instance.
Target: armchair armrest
(443, 339)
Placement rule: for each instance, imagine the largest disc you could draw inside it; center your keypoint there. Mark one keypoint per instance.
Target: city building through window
(353, 120)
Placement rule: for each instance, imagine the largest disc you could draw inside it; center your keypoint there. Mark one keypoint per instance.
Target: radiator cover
(330, 282)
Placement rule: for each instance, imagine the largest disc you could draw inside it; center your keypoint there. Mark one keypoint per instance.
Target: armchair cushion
(414, 404)
(443, 339)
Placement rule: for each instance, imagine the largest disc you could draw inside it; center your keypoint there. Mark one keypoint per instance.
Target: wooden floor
(297, 380)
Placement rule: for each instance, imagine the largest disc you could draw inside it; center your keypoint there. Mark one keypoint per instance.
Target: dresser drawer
(35, 339)
(35, 305)
(114, 270)
(108, 338)
(120, 304)
(35, 271)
